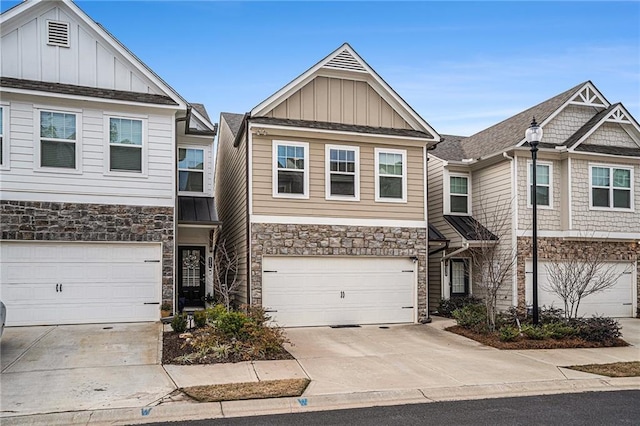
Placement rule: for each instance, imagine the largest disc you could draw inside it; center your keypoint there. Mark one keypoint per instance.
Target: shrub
(257, 314)
(508, 333)
(216, 312)
(231, 323)
(559, 330)
(550, 315)
(179, 323)
(597, 329)
(472, 317)
(534, 332)
(447, 306)
(200, 318)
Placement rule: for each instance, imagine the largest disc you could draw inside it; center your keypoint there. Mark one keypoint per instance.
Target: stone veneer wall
(337, 240)
(45, 221)
(558, 249)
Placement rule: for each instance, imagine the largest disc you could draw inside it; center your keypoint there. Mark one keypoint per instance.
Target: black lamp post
(534, 136)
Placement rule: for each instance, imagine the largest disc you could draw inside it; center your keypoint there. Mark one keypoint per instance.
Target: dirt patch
(615, 369)
(174, 348)
(524, 343)
(250, 390)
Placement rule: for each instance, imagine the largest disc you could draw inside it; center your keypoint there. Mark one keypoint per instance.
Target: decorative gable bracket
(618, 116)
(589, 96)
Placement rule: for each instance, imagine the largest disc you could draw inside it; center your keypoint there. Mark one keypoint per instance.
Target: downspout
(514, 226)
(245, 129)
(175, 206)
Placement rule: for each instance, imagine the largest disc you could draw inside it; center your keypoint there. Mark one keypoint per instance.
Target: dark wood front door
(191, 276)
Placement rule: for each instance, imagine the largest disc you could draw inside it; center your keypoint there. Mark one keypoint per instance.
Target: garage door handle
(60, 288)
(271, 310)
(269, 271)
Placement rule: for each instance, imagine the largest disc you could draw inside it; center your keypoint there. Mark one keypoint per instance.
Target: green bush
(597, 329)
(472, 317)
(200, 318)
(508, 333)
(216, 312)
(550, 315)
(179, 323)
(534, 332)
(447, 306)
(231, 323)
(559, 330)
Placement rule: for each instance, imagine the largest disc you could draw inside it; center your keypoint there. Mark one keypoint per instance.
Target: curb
(188, 410)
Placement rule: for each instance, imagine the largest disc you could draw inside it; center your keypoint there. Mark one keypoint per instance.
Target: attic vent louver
(344, 61)
(58, 33)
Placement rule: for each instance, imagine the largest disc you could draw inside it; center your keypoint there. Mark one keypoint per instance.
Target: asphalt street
(591, 408)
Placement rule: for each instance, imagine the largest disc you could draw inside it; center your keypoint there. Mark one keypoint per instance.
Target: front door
(191, 276)
(459, 277)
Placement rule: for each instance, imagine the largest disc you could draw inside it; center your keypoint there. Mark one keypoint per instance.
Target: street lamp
(534, 136)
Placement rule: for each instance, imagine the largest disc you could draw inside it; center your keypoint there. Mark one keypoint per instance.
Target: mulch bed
(173, 346)
(524, 343)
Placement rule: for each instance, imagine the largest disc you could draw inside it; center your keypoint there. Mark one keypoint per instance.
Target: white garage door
(309, 291)
(72, 283)
(616, 302)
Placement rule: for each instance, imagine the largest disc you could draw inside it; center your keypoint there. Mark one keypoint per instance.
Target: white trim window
(290, 169)
(191, 170)
(457, 194)
(58, 140)
(126, 136)
(610, 187)
(391, 175)
(544, 184)
(4, 140)
(342, 177)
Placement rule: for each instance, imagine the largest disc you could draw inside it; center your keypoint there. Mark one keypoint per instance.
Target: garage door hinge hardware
(151, 303)
(152, 261)
(269, 271)
(271, 310)
(407, 270)
(407, 307)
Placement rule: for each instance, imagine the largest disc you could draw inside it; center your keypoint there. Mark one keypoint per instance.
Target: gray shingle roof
(201, 110)
(435, 235)
(234, 121)
(450, 148)
(322, 125)
(94, 92)
(503, 135)
(573, 139)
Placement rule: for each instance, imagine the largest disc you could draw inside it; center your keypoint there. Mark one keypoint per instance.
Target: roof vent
(345, 61)
(58, 33)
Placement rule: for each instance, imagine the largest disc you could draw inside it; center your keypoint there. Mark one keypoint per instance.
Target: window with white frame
(459, 194)
(611, 187)
(342, 176)
(291, 169)
(125, 145)
(391, 175)
(544, 187)
(58, 139)
(191, 169)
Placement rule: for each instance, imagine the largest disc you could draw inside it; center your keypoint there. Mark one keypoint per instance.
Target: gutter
(439, 249)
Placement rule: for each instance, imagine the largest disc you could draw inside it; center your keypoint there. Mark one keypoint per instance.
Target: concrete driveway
(373, 358)
(81, 367)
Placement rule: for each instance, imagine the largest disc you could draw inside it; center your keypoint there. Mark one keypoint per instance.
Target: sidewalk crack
(253, 366)
(425, 396)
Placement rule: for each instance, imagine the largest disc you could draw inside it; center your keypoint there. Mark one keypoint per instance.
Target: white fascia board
(582, 235)
(87, 98)
(340, 132)
(383, 89)
(329, 221)
(108, 38)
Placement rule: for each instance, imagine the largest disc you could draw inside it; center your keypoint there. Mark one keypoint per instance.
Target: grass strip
(614, 369)
(248, 390)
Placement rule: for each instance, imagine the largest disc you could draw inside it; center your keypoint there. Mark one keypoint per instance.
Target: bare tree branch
(225, 283)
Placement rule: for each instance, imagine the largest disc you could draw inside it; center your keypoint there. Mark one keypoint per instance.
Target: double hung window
(58, 139)
(611, 187)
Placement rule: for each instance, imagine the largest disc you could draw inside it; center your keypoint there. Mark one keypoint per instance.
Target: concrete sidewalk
(368, 366)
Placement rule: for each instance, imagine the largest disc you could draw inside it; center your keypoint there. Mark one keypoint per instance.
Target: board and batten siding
(231, 201)
(93, 182)
(88, 61)
(317, 206)
(337, 100)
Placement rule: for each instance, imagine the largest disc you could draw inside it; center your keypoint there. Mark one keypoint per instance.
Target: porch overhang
(197, 212)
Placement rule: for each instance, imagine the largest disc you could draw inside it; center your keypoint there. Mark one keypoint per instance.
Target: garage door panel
(307, 291)
(96, 282)
(616, 302)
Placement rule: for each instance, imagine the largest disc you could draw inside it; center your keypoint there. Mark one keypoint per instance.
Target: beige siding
(204, 143)
(492, 206)
(587, 220)
(317, 206)
(231, 196)
(436, 203)
(611, 134)
(435, 281)
(339, 101)
(566, 123)
(549, 219)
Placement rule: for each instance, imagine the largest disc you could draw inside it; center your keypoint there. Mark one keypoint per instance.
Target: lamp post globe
(533, 136)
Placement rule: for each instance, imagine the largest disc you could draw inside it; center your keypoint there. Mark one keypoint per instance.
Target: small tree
(582, 274)
(492, 261)
(225, 283)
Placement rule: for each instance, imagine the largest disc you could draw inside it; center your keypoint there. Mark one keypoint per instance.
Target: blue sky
(462, 66)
